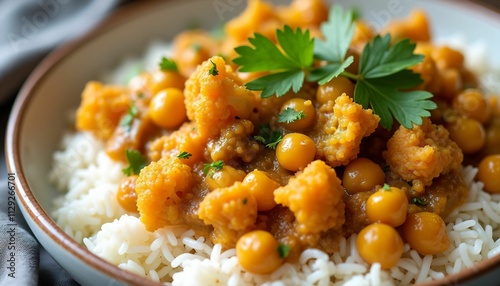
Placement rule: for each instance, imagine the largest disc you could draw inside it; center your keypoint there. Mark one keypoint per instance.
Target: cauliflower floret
(213, 101)
(422, 154)
(101, 108)
(231, 211)
(185, 139)
(160, 187)
(338, 135)
(234, 141)
(315, 197)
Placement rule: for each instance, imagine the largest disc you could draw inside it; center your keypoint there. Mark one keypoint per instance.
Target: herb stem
(352, 76)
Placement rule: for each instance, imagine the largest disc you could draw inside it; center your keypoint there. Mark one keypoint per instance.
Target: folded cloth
(29, 29)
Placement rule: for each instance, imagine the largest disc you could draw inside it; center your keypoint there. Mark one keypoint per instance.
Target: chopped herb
(184, 155)
(384, 82)
(136, 162)
(128, 118)
(287, 65)
(386, 187)
(267, 137)
(419, 202)
(290, 115)
(167, 64)
(213, 70)
(140, 95)
(245, 201)
(217, 165)
(196, 47)
(283, 250)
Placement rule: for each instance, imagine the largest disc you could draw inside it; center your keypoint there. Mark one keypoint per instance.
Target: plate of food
(267, 143)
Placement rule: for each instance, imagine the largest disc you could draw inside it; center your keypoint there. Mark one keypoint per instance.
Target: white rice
(90, 213)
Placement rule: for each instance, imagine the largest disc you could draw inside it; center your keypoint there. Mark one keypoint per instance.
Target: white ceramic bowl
(38, 118)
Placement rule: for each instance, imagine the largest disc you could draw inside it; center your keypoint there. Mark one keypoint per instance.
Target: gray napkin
(29, 29)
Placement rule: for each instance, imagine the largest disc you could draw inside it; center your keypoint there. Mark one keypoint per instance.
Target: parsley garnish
(419, 202)
(382, 83)
(213, 70)
(126, 120)
(136, 162)
(217, 166)
(184, 155)
(283, 250)
(167, 64)
(287, 67)
(289, 115)
(267, 137)
(386, 187)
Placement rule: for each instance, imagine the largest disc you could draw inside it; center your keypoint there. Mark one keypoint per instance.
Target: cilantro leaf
(283, 250)
(267, 137)
(419, 202)
(213, 70)
(128, 118)
(387, 101)
(384, 75)
(289, 115)
(380, 59)
(338, 32)
(167, 64)
(184, 155)
(326, 73)
(277, 83)
(286, 66)
(217, 166)
(136, 162)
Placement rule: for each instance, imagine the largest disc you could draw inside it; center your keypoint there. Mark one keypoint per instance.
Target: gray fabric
(31, 28)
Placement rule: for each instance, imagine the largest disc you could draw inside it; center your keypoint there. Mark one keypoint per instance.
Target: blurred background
(29, 30)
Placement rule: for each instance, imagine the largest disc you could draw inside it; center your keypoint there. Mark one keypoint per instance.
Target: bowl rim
(39, 216)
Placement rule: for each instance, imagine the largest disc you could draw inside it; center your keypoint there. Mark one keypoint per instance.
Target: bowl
(39, 116)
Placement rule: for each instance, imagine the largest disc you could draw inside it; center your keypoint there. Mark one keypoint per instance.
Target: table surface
(490, 279)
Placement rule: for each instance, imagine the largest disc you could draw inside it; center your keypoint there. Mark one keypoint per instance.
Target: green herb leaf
(167, 64)
(289, 115)
(382, 79)
(136, 162)
(386, 187)
(184, 155)
(419, 202)
(338, 32)
(283, 250)
(326, 73)
(128, 118)
(213, 70)
(286, 66)
(217, 166)
(267, 137)
(245, 201)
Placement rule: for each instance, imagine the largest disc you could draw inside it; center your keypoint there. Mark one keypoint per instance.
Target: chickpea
(426, 233)
(300, 105)
(225, 177)
(295, 151)
(262, 188)
(450, 82)
(257, 252)
(468, 133)
(166, 79)
(448, 58)
(388, 205)
(362, 175)
(333, 89)
(489, 173)
(167, 108)
(126, 196)
(472, 103)
(380, 243)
